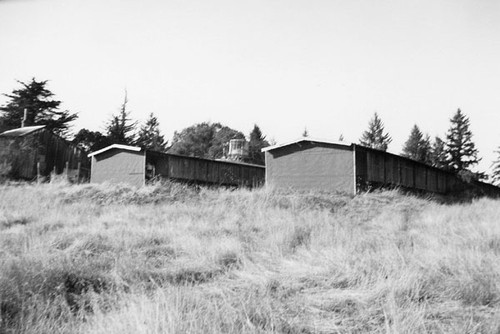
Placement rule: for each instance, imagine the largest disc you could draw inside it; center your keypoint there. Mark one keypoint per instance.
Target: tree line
(34, 104)
(205, 140)
(456, 152)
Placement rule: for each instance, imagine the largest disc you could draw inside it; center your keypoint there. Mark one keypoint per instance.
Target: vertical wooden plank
(354, 172)
(78, 172)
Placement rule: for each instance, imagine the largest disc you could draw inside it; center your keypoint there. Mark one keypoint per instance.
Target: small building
(34, 151)
(313, 164)
(308, 164)
(136, 166)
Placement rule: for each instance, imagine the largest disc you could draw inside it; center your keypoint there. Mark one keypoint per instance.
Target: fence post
(78, 172)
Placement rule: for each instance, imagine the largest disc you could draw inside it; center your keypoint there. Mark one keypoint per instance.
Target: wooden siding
(377, 168)
(432, 180)
(311, 166)
(205, 171)
(138, 168)
(52, 152)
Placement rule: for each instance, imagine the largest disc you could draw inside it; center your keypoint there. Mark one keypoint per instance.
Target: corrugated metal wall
(311, 166)
(119, 166)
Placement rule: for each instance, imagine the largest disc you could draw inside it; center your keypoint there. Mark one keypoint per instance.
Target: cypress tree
(41, 109)
(120, 128)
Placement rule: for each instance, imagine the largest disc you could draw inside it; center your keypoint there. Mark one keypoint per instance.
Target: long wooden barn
(310, 164)
(135, 166)
(33, 151)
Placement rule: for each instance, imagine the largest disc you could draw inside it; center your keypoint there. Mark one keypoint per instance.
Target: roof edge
(23, 131)
(205, 159)
(316, 140)
(118, 146)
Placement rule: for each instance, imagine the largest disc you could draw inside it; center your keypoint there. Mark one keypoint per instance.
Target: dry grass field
(172, 259)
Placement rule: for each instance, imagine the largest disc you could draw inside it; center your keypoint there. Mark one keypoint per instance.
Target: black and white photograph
(249, 166)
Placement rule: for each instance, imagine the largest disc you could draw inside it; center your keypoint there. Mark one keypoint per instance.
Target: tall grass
(174, 259)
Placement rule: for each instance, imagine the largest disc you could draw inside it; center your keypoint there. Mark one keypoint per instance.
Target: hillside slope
(172, 259)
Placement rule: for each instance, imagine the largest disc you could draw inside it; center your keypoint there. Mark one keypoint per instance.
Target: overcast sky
(283, 64)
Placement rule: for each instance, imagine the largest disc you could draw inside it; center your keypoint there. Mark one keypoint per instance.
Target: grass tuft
(301, 236)
(9, 222)
(229, 260)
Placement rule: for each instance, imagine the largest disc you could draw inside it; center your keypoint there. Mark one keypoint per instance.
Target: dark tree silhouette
(495, 175)
(91, 141)
(41, 109)
(375, 137)
(438, 154)
(418, 146)
(120, 128)
(150, 137)
(461, 153)
(255, 145)
(204, 140)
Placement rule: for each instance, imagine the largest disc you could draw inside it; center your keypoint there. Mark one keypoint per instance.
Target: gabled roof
(118, 146)
(306, 139)
(21, 131)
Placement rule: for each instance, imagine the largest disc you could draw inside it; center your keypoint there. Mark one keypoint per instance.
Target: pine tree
(460, 149)
(255, 145)
(438, 154)
(375, 137)
(411, 148)
(418, 146)
(495, 176)
(149, 136)
(426, 150)
(305, 133)
(41, 109)
(120, 128)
